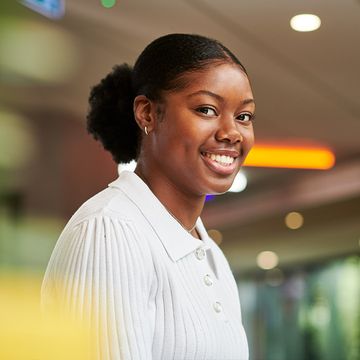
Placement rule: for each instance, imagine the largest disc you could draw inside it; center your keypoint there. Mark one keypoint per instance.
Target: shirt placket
(210, 283)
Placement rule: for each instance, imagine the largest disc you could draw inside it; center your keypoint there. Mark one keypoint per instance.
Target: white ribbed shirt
(149, 288)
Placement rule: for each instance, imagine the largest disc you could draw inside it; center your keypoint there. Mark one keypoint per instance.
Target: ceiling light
(305, 22)
(296, 157)
(294, 220)
(267, 260)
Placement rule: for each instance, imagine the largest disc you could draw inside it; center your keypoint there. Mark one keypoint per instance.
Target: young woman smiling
(135, 259)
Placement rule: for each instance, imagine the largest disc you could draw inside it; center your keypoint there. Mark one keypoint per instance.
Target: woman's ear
(144, 112)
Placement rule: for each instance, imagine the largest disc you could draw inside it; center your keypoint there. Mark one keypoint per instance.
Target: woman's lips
(219, 168)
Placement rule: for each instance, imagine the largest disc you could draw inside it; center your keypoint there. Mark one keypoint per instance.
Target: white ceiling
(306, 85)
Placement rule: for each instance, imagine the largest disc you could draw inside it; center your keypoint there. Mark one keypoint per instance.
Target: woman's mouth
(221, 159)
(221, 164)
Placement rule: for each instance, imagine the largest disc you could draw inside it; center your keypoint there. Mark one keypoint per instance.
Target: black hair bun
(110, 117)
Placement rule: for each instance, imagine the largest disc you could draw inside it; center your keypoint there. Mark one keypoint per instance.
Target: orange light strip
(293, 157)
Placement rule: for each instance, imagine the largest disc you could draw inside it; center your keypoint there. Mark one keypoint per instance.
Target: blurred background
(291, 233)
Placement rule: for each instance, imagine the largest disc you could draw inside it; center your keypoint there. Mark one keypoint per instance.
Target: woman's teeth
(221, 159)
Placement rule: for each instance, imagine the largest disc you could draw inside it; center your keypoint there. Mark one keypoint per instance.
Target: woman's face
(205, 131)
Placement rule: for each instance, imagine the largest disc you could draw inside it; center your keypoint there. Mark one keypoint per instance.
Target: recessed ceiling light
(305, 22)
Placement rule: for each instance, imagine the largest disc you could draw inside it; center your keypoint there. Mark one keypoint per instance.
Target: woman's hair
(161, 66)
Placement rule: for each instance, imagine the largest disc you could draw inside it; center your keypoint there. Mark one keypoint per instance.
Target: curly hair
(161, 66)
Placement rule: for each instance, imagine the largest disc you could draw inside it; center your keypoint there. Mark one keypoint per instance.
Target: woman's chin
(219, 189)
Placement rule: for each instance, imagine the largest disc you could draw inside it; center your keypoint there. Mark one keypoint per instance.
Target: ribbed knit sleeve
(98, 270)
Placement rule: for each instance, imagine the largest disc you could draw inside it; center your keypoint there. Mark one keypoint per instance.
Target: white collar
(175, 239)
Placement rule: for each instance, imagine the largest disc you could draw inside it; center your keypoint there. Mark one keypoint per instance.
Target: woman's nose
(228, 131)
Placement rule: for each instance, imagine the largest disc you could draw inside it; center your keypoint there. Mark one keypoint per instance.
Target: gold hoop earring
(146, 130)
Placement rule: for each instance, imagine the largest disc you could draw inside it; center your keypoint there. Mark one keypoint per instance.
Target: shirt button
(208, 280)
(217, 306)
(200, 253)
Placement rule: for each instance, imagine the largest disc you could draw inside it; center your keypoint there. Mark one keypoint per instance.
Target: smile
(221, 159)
(221, 164)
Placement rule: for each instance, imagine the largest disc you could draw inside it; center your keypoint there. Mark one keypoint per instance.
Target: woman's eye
(207, 110)
(245, 117)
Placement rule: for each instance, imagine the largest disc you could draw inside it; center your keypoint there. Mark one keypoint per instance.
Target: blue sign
(54, 9)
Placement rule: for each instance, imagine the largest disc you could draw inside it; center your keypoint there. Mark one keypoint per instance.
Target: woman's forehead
(215, 81)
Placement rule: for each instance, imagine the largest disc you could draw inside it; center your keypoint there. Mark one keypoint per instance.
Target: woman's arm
(98, 272)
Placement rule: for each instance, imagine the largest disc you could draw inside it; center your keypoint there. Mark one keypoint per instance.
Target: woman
(136, 259)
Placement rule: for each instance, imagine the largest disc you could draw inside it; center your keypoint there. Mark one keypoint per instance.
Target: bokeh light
(108, 3)
(36, 51)
(267, 260)
(319, 314)
(294, 220)
(216, 235)
(17, 144)
(291, 157)
(239, 183)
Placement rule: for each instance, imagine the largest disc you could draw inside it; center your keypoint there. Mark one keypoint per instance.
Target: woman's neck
(185, 207)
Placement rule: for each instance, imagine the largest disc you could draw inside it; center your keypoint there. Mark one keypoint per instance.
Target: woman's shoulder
(105, 224)
(107, 217)
(110, 202)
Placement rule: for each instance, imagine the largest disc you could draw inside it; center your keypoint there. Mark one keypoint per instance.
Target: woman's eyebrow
(207, 92)
(218, 97)
(248, 101)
